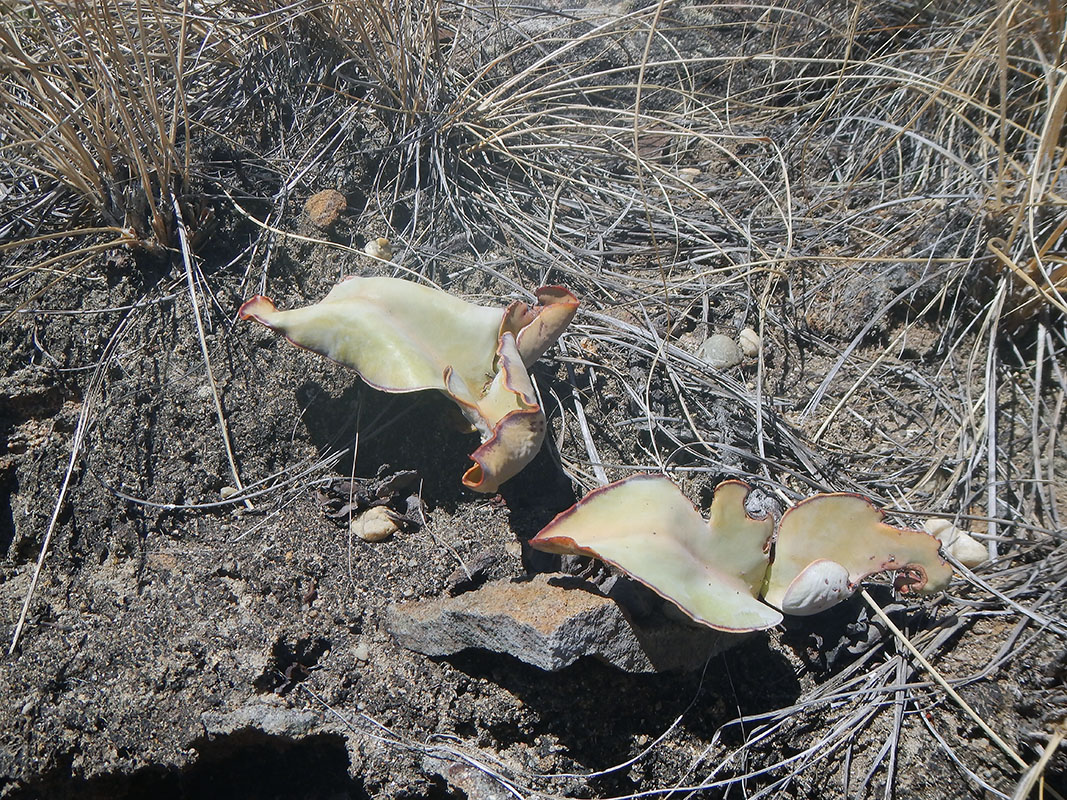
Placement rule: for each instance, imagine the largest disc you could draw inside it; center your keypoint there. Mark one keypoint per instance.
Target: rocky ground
(190, 638)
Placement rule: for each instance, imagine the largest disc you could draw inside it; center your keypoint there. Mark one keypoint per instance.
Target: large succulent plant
(717, 571)
(402, 336)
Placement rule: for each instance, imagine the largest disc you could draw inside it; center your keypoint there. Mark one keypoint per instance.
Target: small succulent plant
(402, 336)
(717, 571)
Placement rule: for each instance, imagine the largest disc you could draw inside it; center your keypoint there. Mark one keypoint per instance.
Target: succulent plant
(402, 336)
(717, 571)
(647, 528)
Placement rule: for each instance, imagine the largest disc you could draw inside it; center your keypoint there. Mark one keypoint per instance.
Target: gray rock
(550, 622)
(474, 783)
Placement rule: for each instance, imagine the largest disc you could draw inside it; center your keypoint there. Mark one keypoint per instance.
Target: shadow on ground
(245, 764)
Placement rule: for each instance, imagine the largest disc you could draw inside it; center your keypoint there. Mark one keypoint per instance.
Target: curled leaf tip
(537, 327)
(516, 438)
(257, 308)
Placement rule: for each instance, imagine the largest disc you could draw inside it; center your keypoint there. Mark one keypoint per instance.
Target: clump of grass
(95, 117)
(1028, 202)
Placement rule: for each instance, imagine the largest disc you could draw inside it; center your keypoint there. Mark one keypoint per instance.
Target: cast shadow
(596, 710)
(420, 431)
(245, 764)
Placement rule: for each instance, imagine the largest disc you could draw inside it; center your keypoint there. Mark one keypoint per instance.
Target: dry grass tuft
(95, 114)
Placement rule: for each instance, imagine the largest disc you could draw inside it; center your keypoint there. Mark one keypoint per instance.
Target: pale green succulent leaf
(398, 335)
(518, 424)
(647, 528)
(404, 337)
(847, 531)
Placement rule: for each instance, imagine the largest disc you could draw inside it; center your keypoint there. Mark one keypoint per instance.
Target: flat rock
(550, 622)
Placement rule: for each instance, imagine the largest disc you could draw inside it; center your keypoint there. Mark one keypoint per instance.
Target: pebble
(325, 208)
(721, 351)
(361, 652)
(226, 492)
(374, 525)
(749, 342)
(963, 547)
(379, 248)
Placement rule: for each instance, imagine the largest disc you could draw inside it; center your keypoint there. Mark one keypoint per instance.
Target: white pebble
(361, 652)
(819, 586)
(960, 544)
(721, 351)
(379, 248)
(749, 342)
(374, 525)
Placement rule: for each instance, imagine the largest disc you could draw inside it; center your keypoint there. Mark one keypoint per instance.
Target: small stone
(472, 573)
(375, 524)
(474, 783)
(750, 342)
(226, 492)
(721, 351)
(379, 248)
(325, 208)
(361, 652)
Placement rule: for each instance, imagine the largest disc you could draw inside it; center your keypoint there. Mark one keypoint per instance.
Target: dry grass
(879, 192)
(95, 112)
